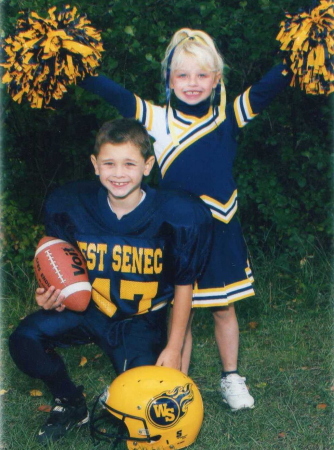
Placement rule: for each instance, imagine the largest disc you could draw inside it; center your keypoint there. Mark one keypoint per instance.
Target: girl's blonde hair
(196, 43)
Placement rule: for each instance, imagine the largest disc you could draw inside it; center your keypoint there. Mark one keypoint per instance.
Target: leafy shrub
(20, 235)
(283, 166)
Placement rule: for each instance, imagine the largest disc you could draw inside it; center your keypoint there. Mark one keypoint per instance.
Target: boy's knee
(22, 333)
(26, 348)
(16, 339)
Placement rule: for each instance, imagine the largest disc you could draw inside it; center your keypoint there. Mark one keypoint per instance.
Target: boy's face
(191, 83)
(121, 168)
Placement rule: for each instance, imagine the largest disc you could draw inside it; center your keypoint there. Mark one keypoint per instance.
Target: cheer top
(134, 262)
(202, 157)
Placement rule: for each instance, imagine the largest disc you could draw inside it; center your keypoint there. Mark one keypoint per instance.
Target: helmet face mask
(154, 408)
(117, 430)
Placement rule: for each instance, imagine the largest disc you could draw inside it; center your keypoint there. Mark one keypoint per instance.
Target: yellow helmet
(158, 408)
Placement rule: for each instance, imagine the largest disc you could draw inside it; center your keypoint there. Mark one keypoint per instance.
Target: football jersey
(134, 262)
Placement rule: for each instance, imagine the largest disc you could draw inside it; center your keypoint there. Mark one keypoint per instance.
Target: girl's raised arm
(113, 93)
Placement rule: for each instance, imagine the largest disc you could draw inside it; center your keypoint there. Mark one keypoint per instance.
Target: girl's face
(191, 83)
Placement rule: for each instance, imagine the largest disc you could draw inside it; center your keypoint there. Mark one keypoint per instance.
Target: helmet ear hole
(149, 406)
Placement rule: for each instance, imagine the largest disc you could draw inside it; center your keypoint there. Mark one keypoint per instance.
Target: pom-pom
(307, 40)
(44, 56)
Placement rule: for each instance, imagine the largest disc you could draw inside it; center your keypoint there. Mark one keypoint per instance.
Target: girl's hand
(50, 299)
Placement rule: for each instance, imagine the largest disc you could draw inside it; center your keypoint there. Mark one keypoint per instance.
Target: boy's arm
(191, 245)
(171, 355)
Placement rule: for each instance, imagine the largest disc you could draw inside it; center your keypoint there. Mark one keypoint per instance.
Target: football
(58, 263)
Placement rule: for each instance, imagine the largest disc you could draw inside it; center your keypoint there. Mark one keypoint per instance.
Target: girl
(195, 145)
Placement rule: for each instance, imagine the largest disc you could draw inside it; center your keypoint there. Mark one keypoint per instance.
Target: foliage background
(284, 165)
(284, 176)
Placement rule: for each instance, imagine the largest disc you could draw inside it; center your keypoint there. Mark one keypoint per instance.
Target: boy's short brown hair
(120, 131)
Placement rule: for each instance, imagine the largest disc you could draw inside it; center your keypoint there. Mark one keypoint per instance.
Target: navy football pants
(129, 343)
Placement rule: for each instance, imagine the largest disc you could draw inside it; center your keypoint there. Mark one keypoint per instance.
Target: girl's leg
(227, 336)
(187, 346)
(233, 387)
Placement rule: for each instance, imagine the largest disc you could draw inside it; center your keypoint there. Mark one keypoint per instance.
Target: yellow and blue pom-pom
(44, 56)
(307, 40)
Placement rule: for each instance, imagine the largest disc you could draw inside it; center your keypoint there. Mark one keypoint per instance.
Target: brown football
(58, 263)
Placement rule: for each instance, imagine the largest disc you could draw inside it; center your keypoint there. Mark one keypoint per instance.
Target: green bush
(20, 235)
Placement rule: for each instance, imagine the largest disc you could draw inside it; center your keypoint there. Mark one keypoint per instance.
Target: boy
(143, 248)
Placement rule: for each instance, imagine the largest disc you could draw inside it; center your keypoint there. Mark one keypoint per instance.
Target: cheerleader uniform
(201, 162)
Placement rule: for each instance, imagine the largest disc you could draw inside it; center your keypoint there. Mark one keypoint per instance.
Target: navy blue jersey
(133, 262)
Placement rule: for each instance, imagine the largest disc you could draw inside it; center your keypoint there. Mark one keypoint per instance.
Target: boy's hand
(169, 358)
(50, 299)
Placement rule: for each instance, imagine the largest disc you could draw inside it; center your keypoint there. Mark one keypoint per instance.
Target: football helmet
(154, 408)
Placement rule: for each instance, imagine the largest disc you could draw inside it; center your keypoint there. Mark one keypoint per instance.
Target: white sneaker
(235, 392)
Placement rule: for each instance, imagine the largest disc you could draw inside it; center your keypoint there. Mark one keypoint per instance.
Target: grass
(285, 351)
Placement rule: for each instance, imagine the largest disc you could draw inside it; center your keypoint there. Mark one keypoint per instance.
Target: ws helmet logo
(167, 408)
